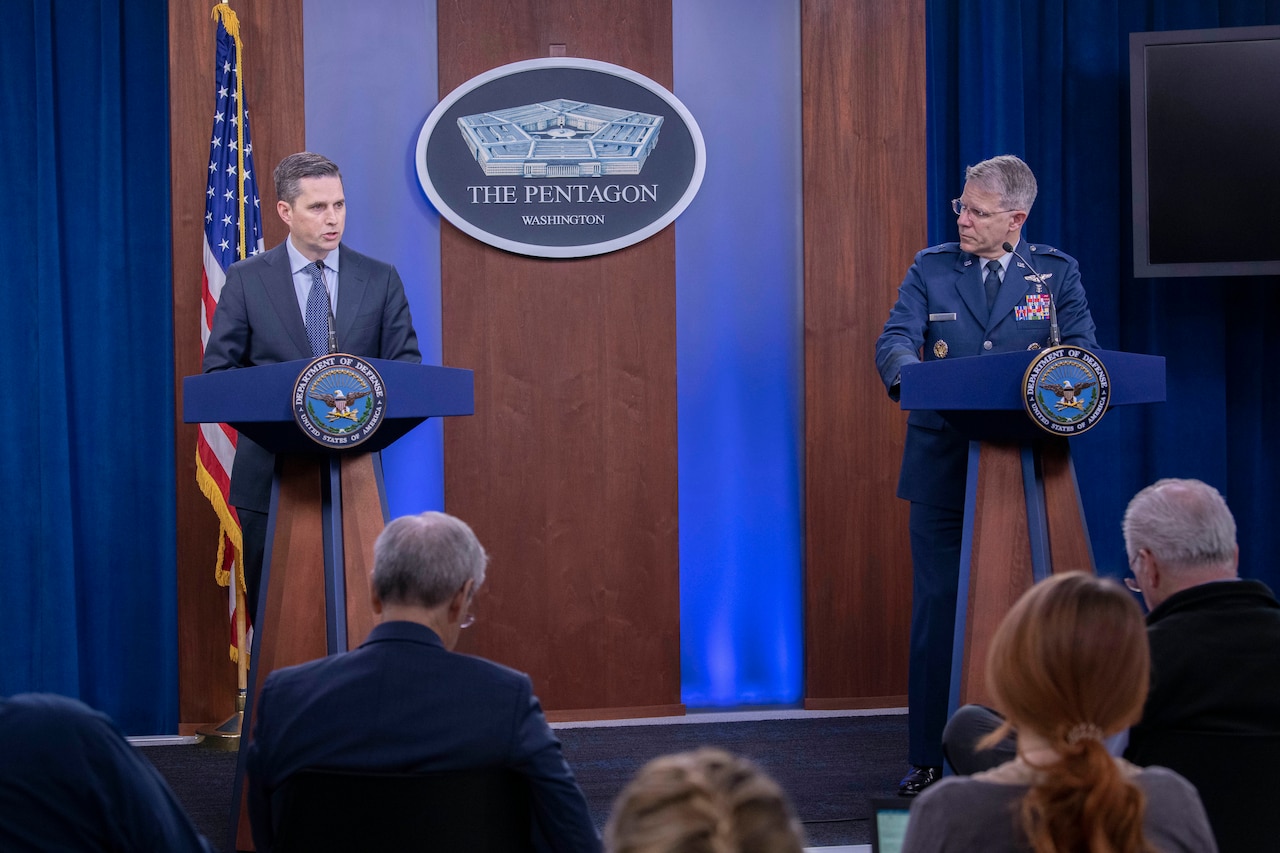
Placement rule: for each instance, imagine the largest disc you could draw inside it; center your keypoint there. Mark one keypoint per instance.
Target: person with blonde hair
(705, 801)
(1067, 667)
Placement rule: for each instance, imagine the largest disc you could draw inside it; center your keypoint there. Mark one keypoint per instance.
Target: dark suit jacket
(1215, 661)
(942, 307)
(70, 781)
(401, 702)
(258, 322)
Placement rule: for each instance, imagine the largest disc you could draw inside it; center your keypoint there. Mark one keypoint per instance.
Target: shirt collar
(298, 262)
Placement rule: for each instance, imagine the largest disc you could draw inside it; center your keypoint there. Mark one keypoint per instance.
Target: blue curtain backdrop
(88, 505)
(1048, 80)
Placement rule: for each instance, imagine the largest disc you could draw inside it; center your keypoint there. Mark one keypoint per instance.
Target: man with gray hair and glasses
(405, 702)
(1215, 637)
(987, 293)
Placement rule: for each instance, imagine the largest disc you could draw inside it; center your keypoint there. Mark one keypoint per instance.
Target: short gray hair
(1008, 177)
(1185, 523)
(295, 167)
(425, 559)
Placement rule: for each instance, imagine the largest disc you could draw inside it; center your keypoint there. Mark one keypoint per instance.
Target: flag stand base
(227, 735)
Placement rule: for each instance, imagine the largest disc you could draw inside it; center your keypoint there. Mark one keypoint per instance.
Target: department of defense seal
(940, 349)
(339, 400)
(1066, 390)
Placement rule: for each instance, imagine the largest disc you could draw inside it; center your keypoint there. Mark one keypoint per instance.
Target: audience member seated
(1215, 638)
(1181, 542)
(69, 780)
(405, 702)
(1067, 666)
(706, 801)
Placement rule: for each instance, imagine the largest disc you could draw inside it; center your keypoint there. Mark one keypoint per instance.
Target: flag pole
(227, 734)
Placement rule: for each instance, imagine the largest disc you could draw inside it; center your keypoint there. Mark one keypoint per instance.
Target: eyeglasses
(1132, 582)
(960, 207)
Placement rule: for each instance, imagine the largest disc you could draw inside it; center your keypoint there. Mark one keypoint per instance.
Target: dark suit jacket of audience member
(69, 780)
(402, 702)
(1215, 659)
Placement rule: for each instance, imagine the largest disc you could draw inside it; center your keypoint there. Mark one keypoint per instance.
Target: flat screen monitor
(1205, 113)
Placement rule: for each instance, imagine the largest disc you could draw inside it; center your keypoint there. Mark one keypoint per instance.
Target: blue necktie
(317, 317)
(992, 283)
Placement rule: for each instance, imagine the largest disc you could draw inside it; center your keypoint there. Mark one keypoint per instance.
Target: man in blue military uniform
(960, 300)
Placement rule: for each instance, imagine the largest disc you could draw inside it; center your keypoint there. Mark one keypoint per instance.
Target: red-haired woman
(1067, 667)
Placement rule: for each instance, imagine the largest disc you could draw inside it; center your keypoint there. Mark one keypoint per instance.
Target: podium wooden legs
(1023, 521)
(326, 513)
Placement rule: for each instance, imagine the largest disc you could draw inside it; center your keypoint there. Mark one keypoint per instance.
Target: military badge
(1066, 390)
(940, 349)
(339, 401)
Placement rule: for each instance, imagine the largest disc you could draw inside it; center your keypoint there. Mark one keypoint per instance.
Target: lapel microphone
(1055, 336)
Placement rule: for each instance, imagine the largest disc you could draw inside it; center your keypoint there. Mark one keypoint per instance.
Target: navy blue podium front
(1023, 518)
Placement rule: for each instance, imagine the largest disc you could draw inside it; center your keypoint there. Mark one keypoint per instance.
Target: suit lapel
(278, 284)
(969, 284)
(352, 279)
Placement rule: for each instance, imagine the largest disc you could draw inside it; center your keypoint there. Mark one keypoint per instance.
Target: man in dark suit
(960, 300)
(405, 702)
(70, 781)
(306, 297)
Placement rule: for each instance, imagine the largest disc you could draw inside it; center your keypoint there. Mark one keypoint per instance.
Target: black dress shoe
(918, 779)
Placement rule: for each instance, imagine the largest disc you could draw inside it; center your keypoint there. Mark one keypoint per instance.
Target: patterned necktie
(317, 318)
(992, 283)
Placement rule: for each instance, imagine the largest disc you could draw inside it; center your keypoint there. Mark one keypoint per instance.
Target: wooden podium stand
(327, 507)
(1023, 519)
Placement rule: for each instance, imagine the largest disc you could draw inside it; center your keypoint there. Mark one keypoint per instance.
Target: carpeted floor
(830, 766)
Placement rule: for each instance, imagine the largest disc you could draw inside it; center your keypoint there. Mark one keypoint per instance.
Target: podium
(327, 508)
(1023, 519)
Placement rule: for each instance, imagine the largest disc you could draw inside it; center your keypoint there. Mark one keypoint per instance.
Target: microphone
(1055, 336)
(333, 330)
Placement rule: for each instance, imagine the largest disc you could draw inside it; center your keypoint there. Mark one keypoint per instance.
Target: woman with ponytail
(1067, 667)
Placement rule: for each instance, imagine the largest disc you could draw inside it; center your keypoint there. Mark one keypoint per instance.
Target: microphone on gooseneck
(1055, 336)
(333, 331)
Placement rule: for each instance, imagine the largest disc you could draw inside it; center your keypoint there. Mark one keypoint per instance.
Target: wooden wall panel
(272, 35)
(863, 83)
(567, 471)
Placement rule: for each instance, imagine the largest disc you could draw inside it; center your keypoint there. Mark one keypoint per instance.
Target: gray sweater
(968, 813)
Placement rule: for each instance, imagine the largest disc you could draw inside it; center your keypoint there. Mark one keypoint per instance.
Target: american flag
(232, 230)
